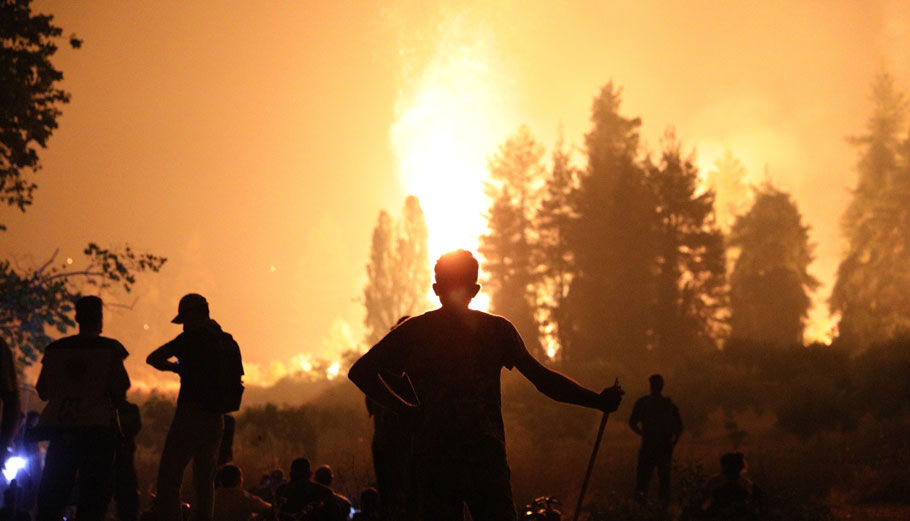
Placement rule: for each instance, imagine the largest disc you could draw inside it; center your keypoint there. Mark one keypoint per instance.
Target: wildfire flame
(444, 131)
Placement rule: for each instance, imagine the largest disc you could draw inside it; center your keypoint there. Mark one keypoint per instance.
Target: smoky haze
(252, 145)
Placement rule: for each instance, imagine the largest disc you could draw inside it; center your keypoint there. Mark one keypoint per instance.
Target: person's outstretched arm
(562, 388)
(160, 358)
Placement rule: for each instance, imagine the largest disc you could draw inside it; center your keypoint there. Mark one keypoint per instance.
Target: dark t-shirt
(83, 378)
(660, 421)
(454, 359)
(199, 353)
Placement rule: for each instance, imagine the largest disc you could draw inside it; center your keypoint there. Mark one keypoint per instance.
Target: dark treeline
(622, 261)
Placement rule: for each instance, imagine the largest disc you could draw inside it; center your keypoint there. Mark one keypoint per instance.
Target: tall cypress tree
(872, 292)
(398, 272)
(508, 246)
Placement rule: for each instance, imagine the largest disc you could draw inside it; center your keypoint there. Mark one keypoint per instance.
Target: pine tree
(872, 292)
(507, 247)
(555, 261)
(770, 285)
(690, 262)
(398, 272)
(732, 194)
(606, 321)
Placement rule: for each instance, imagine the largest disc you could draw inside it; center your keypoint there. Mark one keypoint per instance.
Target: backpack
(229, 376)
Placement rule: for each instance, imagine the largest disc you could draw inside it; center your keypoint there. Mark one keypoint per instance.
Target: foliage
(509, 244)
(36, 303)
(872, 292)
(690, 294)
(770, 284)
(30, 99)
(554, 257)
(728, 181)
(611, 236)
(398, 271)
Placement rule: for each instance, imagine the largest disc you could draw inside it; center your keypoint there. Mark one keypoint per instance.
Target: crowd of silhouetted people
(432, 386)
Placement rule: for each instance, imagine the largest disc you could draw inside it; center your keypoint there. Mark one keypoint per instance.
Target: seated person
(730, 491)
(232, 503)
(337, 507)
(369, 506)
(301, 495)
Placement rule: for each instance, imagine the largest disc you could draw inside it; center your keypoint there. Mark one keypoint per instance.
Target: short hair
(89, 310)
(277, 474)
(300, 469)
(230, 475)
(323, 475)
(456, 268)
(656, 381)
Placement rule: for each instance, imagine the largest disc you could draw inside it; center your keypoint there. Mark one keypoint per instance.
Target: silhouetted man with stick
(656, 419)
(454, 356)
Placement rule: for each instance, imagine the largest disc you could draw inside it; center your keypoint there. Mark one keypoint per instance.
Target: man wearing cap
(83, 380)
(454, 356)
(198, 425)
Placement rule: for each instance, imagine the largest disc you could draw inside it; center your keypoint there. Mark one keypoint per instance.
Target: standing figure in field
(656, 419)
(83, 380)
(454, 357)
(391, 449)
(9, 395)
(209, 364)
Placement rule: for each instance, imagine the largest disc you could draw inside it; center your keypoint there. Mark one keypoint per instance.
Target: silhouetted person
(276, 479)
(656, 419)
(264, 489)
(730, 495)
(232, 503)
(339, 507)
(83, 380)
(126, 481)
(369, 506)
(391, 448)
(454, 357)
(200, 355)
(13, 509)
(9, 395)
(300, 496)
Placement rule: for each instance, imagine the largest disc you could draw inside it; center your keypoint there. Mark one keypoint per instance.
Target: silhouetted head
(230, 476)
(324, 475)
(732, 464)
(264, 480)
(192, 310)
(90, 315)
(300, 469)
(277, 476)
(456, 279)
(657, 383)
(369, 500)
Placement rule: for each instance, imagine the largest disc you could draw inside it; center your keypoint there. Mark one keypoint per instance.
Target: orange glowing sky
(253, 144)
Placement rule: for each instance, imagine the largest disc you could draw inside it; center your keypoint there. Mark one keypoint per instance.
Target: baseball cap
(191, 304)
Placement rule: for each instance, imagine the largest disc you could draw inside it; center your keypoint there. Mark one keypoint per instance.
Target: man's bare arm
(365, 375)
(562, 388)
(160, 359)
